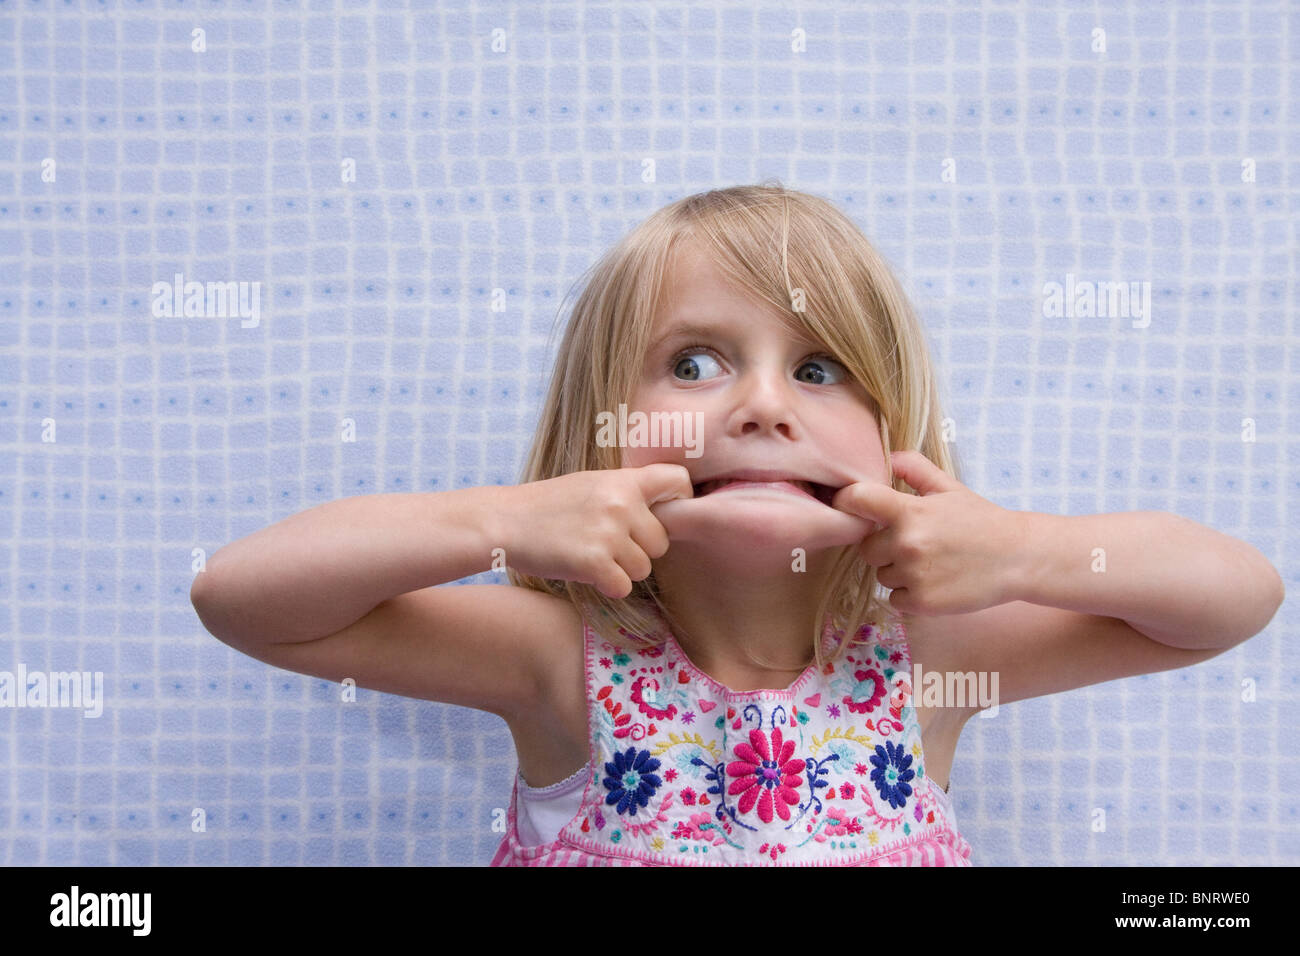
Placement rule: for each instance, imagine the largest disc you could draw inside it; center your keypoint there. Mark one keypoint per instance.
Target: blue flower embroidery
(631, 780)
(892, 773)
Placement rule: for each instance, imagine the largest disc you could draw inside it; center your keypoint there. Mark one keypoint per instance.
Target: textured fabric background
(497, 150)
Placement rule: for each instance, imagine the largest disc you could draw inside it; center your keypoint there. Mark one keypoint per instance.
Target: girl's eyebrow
(692, 328)
(697, 329)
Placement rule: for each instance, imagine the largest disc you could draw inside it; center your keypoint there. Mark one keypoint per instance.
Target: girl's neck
(722, 622)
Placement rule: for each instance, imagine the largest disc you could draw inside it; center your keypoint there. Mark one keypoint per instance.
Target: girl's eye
(820, 362)
(684, 357)
(824, 361)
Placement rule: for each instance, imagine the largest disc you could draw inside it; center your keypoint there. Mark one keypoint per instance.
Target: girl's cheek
(639, 457)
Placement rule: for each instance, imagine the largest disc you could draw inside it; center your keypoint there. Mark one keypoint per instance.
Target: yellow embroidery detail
(675, 741)
(839, 733)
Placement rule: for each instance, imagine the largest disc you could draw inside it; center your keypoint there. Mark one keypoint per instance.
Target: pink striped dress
(683, 771)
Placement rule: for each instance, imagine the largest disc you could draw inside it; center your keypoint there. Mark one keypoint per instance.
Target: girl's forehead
(728, 323)
(720, 307)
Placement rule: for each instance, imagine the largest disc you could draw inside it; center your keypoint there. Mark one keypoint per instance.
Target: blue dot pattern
(990, 150)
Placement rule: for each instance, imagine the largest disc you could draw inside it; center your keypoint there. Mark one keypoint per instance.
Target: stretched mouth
(823, 493)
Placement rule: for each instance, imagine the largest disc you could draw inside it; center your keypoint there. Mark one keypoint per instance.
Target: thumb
(664, 481)
(921, 473)
(873, 501)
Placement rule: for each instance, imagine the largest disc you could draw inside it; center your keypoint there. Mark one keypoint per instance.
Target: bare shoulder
(936, 644)
(932, 641)
(546, 637)
(550, 728)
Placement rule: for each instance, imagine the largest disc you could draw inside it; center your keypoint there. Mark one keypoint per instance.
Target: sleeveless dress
(683, 771)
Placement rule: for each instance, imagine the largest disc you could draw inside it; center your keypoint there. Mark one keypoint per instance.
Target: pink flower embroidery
(868, 693)
(840, 823)
(645, 692)
(698, 828)
(767, 777)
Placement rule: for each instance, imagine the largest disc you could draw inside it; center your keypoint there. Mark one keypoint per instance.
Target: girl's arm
(1045, 603)
(320, 570)
(343, 592)
(349, 590)
(1096, 598)
(1172, 580)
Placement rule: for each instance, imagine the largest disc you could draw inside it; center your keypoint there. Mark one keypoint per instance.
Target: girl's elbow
(1270, 603)
(212, 607)
(1279, 592)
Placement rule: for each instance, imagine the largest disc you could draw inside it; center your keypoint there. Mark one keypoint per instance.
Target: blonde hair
(785, 248)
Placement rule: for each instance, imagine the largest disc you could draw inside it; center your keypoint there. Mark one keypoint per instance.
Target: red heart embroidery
(731, 712)
(707, 705)
(586, 827)
(682, 677)
(813, 701)
(929, 817)
(652, 731)
(703, 799)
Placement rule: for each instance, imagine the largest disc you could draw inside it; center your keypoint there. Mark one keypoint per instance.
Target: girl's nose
(765, 402)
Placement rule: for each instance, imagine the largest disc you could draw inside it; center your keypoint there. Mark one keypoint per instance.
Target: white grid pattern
(208, 431)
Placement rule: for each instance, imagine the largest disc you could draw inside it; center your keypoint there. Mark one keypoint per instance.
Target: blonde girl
(708, 658)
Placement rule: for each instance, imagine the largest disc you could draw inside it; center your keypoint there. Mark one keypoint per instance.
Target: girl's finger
(633, 561)
(901, 600)
(877, 548)
(889, 576)
(613, 583)
(651, 536)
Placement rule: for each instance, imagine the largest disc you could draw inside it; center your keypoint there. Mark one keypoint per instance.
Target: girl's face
(766, 400)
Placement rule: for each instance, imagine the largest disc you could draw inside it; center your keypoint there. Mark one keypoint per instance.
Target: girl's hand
(944, 551)
(593, 527)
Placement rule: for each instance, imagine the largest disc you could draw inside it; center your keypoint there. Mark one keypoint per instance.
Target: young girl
(695, 655)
